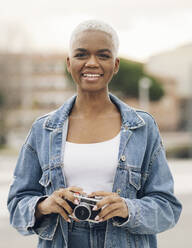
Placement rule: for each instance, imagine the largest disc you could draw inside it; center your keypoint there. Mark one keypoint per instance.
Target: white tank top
(91, 166)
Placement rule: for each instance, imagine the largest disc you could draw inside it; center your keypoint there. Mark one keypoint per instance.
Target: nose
(92, 61)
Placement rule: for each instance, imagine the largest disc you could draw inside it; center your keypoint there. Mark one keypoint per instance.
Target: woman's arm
(158, 209)
(31, 210)
(25, 191)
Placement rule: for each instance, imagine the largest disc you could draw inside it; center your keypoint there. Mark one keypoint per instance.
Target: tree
(127, 80)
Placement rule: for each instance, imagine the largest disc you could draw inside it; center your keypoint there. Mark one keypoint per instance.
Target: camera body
(83, 211)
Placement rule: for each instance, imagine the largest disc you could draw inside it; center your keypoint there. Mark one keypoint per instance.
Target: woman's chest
(93, 130)
(131, 156)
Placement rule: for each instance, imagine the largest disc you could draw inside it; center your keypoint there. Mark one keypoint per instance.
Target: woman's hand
(56, 202)
(111, 205)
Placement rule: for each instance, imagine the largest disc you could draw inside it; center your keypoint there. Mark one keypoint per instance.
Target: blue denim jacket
(142, 178)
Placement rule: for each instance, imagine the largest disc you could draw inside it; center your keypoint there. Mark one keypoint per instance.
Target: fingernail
(95, 208)
(97, 217)
(68, 220)
(76, 202)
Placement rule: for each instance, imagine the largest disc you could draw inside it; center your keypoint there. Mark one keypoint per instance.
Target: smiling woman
(93, 173)
(92, 60)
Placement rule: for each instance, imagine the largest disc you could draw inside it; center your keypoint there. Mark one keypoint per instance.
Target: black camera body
(83, 211)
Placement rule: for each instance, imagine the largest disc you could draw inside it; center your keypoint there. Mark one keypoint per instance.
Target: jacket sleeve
(25, 191)
(156, 209)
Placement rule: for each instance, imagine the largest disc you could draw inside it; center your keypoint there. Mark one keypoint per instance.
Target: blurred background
(155, 75)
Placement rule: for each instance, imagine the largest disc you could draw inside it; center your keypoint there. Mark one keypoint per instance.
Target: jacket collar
(130, 118)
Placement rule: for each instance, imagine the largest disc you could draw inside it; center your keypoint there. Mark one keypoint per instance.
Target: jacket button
(126, 127)
(118, 191)
(123, 158)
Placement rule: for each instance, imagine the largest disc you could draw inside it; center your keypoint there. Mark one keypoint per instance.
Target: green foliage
(156, 90)
(127, 79)
(69, 78)
(1, 99)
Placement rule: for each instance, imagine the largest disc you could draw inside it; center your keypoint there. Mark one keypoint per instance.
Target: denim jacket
(142, 178)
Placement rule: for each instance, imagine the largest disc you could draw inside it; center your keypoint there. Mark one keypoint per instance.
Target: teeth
(91, 75)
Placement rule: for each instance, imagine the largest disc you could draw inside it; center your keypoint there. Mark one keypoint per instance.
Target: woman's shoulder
(150, 122)
(133, 115)
(40, 120)
(55, 118)
(146, 116)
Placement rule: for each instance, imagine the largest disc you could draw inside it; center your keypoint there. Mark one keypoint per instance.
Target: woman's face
(92, 62)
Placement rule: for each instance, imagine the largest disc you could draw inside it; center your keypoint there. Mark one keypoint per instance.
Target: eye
(104, 56)
(80, 55)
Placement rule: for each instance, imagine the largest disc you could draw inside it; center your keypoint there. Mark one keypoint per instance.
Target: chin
(92, 89)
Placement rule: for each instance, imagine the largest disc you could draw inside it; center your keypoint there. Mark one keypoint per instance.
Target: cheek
(75, 65)
(110, 69)
(75, 69)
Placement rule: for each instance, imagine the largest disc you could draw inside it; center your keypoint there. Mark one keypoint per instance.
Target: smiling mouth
(91, 75)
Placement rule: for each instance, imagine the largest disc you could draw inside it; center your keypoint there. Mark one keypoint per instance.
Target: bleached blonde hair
(96, 25)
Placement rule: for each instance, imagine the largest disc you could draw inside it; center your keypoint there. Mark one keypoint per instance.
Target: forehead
(92, 40)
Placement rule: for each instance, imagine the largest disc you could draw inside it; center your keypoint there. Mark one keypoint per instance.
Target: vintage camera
(83, 211)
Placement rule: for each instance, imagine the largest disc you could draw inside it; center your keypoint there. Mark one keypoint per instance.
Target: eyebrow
(104, 50)
(100, 50)
(80, 50)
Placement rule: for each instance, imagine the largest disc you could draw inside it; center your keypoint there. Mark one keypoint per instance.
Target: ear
(116, 69)
(68, 64)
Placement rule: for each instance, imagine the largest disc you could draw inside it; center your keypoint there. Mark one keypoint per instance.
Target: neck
(93, 104)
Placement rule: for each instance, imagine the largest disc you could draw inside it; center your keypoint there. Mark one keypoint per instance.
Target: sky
(145, 27)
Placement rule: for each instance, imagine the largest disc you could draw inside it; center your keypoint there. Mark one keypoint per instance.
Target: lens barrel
(82, 211)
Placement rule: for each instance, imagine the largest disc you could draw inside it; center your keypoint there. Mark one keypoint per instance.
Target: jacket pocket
(45, 181)
(135, 177)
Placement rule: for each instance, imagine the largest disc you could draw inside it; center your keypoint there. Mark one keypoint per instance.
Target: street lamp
(144, 85)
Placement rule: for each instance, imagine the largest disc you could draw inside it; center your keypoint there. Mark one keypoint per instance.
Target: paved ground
(178, 237)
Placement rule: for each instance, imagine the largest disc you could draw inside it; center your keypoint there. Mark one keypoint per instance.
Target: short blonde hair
(96, 25)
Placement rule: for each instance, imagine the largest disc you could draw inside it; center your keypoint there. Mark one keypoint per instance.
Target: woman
(94, 145)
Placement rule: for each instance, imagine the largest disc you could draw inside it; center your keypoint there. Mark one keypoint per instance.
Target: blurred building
(38, 84)
(176, 64)
(160, 110)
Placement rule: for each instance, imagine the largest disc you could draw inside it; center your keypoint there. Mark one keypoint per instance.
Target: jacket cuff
(45, 226)
(39, 220)
(32, 208)
(124, 222)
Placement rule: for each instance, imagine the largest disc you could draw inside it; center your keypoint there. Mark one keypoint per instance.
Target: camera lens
(82, 212)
